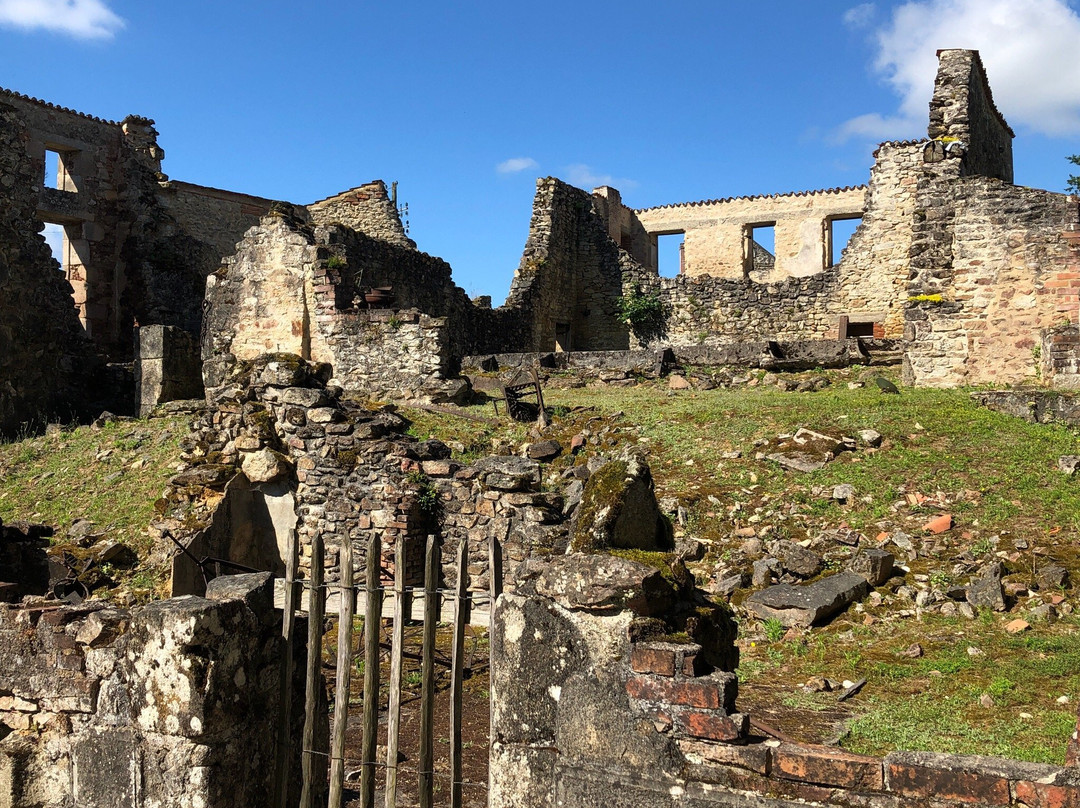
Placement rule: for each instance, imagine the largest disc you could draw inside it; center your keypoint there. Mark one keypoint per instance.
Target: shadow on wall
(251, 529)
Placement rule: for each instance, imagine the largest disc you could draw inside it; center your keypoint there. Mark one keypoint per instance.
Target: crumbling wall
(366, 209)
(42, 351)
(963, 115)
(571, 275)
(611, 715)
(977, 313)
(137, 247)
(875, 266)
(276, 438)
(717, 232)
(170, 704)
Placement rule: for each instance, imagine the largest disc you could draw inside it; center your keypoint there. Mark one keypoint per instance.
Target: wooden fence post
(372, 621)
(346, 612)
(281, 783)
(396, 649)
(457, 664)
(314, 764)
(427, 674)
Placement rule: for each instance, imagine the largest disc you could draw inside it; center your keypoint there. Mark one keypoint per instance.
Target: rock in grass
(619, 509)
(806, 604)
(876, 566)
(986, 591)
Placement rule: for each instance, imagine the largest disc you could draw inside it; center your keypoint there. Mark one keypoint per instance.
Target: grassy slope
(111, 476)
(997, 475)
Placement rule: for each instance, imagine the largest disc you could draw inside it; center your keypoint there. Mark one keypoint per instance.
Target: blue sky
(465, 104)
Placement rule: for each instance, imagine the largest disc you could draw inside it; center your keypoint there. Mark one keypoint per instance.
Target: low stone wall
(769, 355)
(611, 716)
(171, 704)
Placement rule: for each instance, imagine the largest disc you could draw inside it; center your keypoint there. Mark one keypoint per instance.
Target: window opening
(670, 254)
(57, 243)
(838, 236)
(761, 252)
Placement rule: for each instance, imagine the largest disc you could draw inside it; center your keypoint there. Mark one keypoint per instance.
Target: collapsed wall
(613, 715)
(42, 350)
(173, 703)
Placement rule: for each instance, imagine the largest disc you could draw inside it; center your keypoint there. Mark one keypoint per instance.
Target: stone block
(828, 766)
(713, 726)
(952, 778)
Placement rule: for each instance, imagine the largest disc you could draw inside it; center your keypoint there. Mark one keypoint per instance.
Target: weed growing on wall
(644, 313)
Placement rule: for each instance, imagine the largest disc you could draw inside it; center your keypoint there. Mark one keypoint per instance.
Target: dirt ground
(474, 729)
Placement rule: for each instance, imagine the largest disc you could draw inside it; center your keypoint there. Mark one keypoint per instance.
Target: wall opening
(670, 254)
(56, 240)
(58, 165)
(562, 337)
(838, 233)
(759, 249)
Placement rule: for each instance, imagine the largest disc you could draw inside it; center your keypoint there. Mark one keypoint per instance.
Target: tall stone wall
(42, 350)
(299, 288)
(1013, 270)
(717, 232)
(571, 274)
(137, 247)
(962, 114)
(171, 704)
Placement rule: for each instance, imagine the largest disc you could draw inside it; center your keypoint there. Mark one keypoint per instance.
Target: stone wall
(963, 115)
(608, 716)
(366, 209)
(167, 366)
(170, 704)
(42, 350)
(296, 288)
(717, 232)
(571, 274)
(278, 452)
(1011, 269)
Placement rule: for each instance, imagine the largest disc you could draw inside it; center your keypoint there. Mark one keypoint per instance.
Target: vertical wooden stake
(346, 612)
(396, 648)
(457, 671)
(427, 674)
(372, 622)
(281, 783)
(495, 586)
(314, 764)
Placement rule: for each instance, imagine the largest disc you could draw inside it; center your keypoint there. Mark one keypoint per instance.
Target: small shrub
(644, 313)
(774, 629)
(335, 262)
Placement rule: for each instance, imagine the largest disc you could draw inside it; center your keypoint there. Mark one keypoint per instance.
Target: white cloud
(584, 177)
(860, 16)
(82, 19)
(517, 164)
(1028, 47)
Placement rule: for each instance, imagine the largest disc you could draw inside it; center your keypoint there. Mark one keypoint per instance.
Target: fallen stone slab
(807, 604)
(807, 450)
(876, 566)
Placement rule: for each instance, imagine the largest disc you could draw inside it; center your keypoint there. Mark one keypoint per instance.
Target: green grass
(110, 476)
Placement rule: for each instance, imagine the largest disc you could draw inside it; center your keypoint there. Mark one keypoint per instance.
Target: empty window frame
(671, 254)
(838, 233)
(58, 169)
(760, 255)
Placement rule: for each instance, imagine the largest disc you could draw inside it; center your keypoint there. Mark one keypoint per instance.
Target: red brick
(704, 695)
(945, 784)
(1043, 795)
(713, 726)
(829, 767)
(647, 659)
(755, 757)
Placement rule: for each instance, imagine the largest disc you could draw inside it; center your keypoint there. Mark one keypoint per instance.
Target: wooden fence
(400, 604)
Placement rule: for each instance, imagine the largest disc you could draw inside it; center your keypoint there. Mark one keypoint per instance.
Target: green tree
(1073, 185)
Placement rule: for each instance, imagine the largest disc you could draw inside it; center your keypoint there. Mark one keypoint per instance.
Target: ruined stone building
(974, 274)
